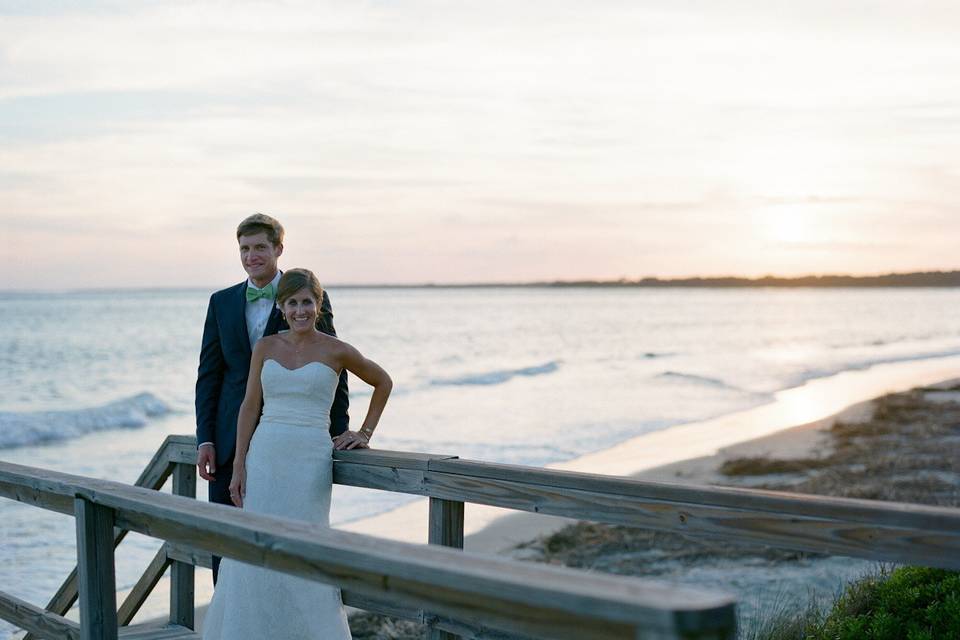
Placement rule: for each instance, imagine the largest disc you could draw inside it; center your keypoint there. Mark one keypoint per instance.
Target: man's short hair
(261, 223)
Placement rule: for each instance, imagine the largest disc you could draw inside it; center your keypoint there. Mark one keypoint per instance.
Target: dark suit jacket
(225, 364)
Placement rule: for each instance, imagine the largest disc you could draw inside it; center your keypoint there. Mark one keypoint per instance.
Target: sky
(426, 141)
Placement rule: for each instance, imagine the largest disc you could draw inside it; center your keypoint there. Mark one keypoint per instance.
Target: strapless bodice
(301, 396)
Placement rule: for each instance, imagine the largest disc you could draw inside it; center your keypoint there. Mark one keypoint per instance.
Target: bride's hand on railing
(351, 440)
(238, 486)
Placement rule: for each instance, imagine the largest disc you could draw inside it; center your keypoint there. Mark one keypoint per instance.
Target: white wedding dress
(290, 474)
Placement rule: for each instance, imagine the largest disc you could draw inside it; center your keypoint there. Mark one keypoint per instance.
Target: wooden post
(446, 523)
(182, 598)
(97, 581)
(446, 529)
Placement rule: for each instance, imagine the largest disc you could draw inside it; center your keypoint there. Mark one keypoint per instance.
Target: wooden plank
(37, 496)
(894, 532)
(188, 554)
(154, 475)
(178, 452)
(384, 458)
(514, 597)
(144, 586)
(476, 629)
(156, 471)
(383, 606)
(35, 620)
(925, 546)
(182, 600)
(446, 529)
(97, 581)
(152, 632)
(446, 523)
(383, 478)
(851, 510)
(196, 557)
(364, 563)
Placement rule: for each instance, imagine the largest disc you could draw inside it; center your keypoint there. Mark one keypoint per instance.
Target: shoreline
(683, 453)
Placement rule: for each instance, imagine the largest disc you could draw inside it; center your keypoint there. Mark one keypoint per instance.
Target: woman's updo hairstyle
(295, 279)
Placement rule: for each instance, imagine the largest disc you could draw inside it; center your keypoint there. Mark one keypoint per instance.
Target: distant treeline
(918, 279)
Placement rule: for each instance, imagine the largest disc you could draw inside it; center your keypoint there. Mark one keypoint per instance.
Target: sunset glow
(429, 142)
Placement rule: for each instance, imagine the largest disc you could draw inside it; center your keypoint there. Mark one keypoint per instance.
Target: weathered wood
(188, 554)
(151, 632)
(446, 529)
(384, 458)
(872, 512)
(37, 496)
(181, 450)
(365, 564)
(924, 545)
(773, 516)
(181, 573)
(875, 530)
(446, 523)
(97, 581)
(475, 629)
(154, 475)
(514, 597)
(198, 558)
(144, 586)
(37, 621)
(377, 477)
(383, 606)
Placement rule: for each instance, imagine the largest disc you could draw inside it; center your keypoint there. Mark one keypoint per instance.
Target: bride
(283, 467)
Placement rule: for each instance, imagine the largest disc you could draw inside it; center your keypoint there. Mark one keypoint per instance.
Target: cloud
(439, 139)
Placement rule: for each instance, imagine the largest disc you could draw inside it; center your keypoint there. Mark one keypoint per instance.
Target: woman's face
(300, 310)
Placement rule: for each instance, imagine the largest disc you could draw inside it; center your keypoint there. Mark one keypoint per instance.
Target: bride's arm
(374, 375)
(247, 423)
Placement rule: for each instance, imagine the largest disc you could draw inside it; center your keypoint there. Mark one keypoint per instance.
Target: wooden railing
(905, 533)
(875, 530)
(468, 594)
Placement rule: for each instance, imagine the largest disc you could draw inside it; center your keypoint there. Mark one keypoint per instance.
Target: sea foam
(498, 376)
(19, 429)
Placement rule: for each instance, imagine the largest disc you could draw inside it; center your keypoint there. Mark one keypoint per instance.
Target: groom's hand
(350, 440)
(207, 461)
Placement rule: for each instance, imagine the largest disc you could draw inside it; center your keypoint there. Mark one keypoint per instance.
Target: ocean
(93, 381)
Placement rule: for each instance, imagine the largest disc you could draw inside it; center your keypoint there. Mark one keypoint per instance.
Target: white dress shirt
(258, 312)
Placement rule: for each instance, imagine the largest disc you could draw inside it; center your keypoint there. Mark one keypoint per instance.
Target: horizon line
(937, 278)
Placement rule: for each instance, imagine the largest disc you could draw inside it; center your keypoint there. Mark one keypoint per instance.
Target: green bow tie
(256, 294)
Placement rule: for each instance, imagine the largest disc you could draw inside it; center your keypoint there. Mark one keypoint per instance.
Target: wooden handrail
(884, 531)
(153, 476)
(876, 530)
(535, 600)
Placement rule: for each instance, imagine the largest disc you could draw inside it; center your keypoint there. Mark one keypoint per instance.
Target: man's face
(259, 257)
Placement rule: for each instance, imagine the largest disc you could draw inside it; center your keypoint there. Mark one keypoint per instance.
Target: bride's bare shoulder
(268, 345)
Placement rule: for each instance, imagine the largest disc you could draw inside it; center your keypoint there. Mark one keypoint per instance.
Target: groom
(236, 318)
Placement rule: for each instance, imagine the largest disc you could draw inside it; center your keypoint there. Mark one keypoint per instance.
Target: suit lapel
(275, 322)
(239, 312)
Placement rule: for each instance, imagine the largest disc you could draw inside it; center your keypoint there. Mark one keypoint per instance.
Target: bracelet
(366, 435)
